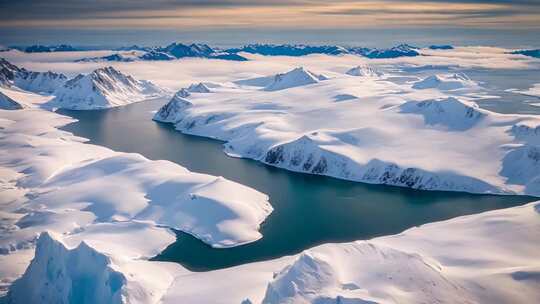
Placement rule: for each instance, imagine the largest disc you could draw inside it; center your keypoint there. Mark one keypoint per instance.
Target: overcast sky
(279, 14)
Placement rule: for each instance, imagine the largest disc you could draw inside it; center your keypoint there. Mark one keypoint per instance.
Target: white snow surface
(427, 135)
(103, 88)
(49, 178)
(485, 258)
(488, 258)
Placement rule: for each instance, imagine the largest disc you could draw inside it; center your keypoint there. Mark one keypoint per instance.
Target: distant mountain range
(178, 50)
(194, 50)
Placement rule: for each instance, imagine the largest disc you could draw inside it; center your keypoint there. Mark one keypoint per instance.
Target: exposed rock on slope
(172, 111)
(39, 82)
(392, 134)
(103, 88)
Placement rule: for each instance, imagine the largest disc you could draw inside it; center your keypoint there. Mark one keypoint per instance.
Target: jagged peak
(182, 93)
(364, 70)
(198, 88)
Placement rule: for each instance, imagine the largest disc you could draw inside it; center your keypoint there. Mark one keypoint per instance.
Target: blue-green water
(308, 210)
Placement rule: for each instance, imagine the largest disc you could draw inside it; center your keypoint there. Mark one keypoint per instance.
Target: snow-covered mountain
(445, 82)
(118, 57)
(172, 111)
(7, 72)
(196, 88)
(294, 78)
(134, 48)
(48, 48)
(302, 50)
(364, 71)
(289, 50)
(156, 56)
(198, 50)
(103, 88)
(402, 50)
(38, 82)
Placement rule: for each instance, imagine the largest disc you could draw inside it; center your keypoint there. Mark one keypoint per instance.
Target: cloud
(266, 14)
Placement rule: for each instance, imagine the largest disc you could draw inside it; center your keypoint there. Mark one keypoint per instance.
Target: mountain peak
(444, 82)
(365, 71)
(103, 88)
(296, 77)
(198, 88)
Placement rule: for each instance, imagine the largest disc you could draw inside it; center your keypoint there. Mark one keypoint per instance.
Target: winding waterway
(308, 210)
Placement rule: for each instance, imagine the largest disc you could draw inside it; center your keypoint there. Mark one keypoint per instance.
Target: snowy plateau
(79, 222)
(369, 129)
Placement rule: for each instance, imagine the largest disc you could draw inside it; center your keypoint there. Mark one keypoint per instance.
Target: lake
(308, 210)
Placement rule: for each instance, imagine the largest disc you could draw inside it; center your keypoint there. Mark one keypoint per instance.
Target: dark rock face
(197, 50)
(11, 74)
(289, 50)
(530, 53)
(8, 72)
(441, 47)
(402, 50)
(158, 56)
(321, 167)
(50, 48)
(274, 155)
